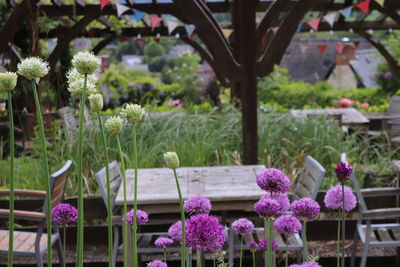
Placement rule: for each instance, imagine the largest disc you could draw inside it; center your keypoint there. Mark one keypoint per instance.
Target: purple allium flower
(242, 227)
(310, 264)
(203, 232)
(157, 263)
(282, 199)
(273, 180)
(142, 217)
(263, 244)
(287, 225)
(343, 171)
(163, 242)
(388, 75)
(305, 207)
(267, 207)
(64, 214)
(334, 200)
(175, 231)
(197, 205)
(253, 246)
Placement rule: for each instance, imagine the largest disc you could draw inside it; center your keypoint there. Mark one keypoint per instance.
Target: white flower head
(33, 68)
(114, 124)
(76, 83)
(86, 62)
(8, 81)
(133, 113)
(171, 160)
(96, 102)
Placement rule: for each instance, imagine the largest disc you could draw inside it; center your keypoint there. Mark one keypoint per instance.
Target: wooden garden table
(228, 187)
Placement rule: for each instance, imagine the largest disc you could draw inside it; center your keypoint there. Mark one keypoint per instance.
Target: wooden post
(248, 94)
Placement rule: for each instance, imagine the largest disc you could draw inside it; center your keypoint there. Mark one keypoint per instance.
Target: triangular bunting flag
(227, 32)
(299, 27)
(103, 3)
(140, 41)
(121, 9)
(154, 21)
(139, 15)
(339, 47)
(273, 29)
(314, 23)
(90, 34)
(190, 29)
(171, 25)
(157, 38)
(380, 2)
(356, 44)
(330, 18)
(322, 48)
(363, 6)
(346, 12)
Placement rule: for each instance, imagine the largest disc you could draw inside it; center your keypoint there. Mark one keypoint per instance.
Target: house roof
(365, 66)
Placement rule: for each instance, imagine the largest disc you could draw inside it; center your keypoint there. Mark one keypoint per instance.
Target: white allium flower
(33, 68)
(114, 124)
(96, 102)
(8, 81)
(171, 160)
(133, 113)
(76, 82)
(86, 62)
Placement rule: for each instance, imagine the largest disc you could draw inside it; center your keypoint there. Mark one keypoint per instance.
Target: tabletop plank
(221, 183)
(349, 115)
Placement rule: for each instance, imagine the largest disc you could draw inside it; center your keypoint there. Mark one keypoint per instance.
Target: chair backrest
(71, 124)
(356, 186)
(394, 109)
(115, 181)
(58, 183)
(310, 179)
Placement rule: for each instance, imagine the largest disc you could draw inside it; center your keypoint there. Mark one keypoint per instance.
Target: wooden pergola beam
(103, 43)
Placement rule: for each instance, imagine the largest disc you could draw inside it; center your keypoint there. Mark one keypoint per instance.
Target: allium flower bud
(114, 124)
(86, 62)
(133, 113)
(343, 171)
(171, 160)
(8, 81)
(96, 102)
(76, 82)
(33, 68)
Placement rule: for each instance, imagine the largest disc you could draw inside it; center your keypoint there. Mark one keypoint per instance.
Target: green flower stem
(214, 263)
(338, 243)
(183, 243)
(198, 261)
(81, 216)
(241, 250)
(254, 258)
(304, 238)
(165, 254)
(109, 204)
(267, 232)
(287, 251)
(134, 225)
(125, 208)
(11, 205)
(343, 227)
(47, 171)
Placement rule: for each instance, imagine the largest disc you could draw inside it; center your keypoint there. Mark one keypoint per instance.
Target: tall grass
(215, 139)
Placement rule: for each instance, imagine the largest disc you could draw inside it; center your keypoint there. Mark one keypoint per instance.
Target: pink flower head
(197, 205)
(267, 207)
(157, 263)
(273, 180)
(253, 246)
(310, 264)
(364, 105)
(64, 214)
(175, 231)
(282, 199)
(142, 217)
(263, 244)
(287, 225)
(242, 227)
(343, 171)
(346, 102)
(305, 207)
(163, 242)
(334, 198)
(203, 232)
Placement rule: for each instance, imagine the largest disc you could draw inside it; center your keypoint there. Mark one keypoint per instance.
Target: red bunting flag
(339, 47)
(356, 44)
(322, 48)
(314, 23)
(140, 41)
(157, 39)
(122, 39)
(103, 3)
(90, 34)
(364, 6)
(154, 21)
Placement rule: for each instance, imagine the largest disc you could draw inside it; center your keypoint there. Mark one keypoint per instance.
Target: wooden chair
(35, 243)
(374, 234)
(308, 185)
